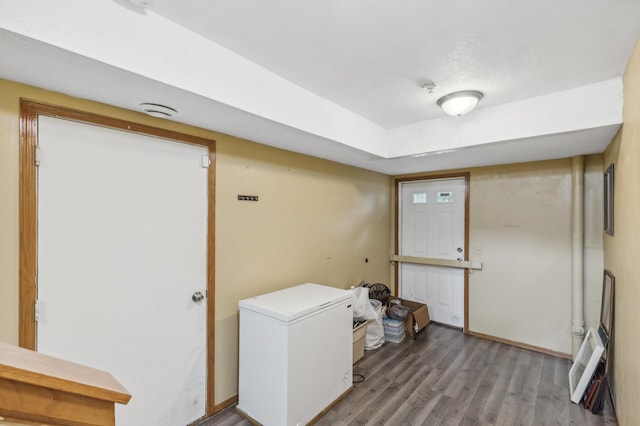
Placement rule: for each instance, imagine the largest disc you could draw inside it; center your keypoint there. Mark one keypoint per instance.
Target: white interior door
(122, 247)
(431, 225)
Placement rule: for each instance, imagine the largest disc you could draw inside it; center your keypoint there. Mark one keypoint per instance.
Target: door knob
(197, 296)
(459, 249)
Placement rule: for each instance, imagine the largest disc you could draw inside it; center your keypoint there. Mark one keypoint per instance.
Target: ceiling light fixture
(460, 103)
(157, 110)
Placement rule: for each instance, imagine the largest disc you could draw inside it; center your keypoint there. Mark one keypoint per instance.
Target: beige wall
(622, 249)
(315, 221)
(9, 128)
(520, 216)
(520, 219)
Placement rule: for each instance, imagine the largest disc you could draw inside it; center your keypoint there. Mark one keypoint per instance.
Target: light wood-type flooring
(446, 377)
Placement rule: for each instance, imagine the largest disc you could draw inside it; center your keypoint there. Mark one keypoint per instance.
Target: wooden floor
(446, 377)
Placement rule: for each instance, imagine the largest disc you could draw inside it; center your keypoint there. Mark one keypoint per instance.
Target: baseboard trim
(522, 345)
(225, 404)
(248, 418)
(441, 324)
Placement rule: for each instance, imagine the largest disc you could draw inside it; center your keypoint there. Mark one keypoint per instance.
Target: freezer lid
(294, 302)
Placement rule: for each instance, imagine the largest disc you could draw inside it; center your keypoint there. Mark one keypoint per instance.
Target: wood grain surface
(43, 389)
(447, 377)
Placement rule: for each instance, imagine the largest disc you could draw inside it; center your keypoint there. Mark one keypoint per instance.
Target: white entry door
(431, 225)
(122, 247)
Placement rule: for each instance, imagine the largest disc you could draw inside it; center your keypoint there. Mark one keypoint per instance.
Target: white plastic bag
(362, 309)
(375, 330)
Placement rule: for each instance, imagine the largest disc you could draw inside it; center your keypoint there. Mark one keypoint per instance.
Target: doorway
(431, 237)
(120, 247)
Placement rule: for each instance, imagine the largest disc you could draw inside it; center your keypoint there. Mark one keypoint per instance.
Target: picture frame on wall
(608, 199)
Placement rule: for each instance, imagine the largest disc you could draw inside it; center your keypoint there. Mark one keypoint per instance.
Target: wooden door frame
(29, 112)
(396, 186)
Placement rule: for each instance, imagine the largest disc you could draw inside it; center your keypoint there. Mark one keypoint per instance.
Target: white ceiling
(341, 79)
(372, 57)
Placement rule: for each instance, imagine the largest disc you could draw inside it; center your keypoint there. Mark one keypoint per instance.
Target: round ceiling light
(157, 110)
(460, 103)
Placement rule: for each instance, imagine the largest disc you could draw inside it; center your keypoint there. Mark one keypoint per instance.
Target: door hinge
(206, 161)
(37, 155)
(37, 310)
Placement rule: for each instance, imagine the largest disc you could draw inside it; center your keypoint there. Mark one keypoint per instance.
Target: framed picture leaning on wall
(606, 307)
(584, 365)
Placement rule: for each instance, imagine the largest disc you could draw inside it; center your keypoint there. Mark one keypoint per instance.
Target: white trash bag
(375, 330)
(362, 309)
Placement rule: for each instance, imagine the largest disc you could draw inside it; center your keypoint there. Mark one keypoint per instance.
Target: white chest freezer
(295, 353)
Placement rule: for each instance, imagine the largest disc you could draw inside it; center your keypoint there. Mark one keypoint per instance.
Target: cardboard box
(417, 319)
(359, 334)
